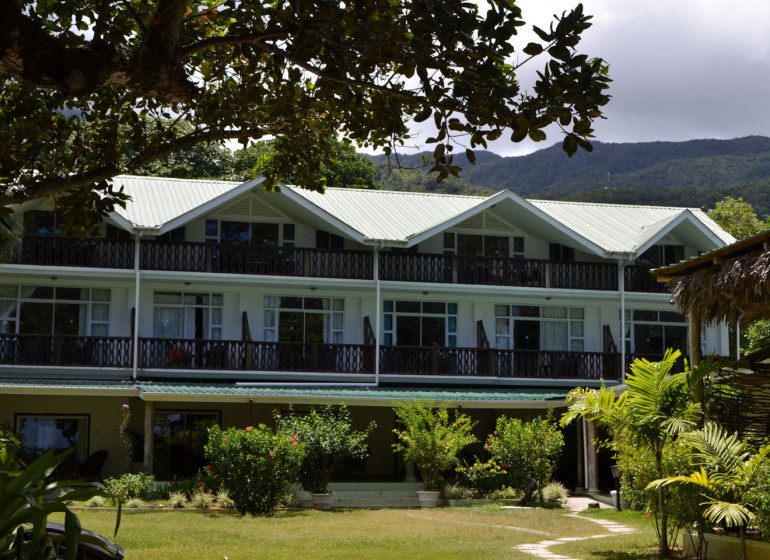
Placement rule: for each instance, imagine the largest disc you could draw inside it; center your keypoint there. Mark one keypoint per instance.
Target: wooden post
(579, 456)
(149, 436)
(695, 335)
(592, 474)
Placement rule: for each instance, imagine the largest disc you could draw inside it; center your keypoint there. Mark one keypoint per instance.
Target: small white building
(218, 301)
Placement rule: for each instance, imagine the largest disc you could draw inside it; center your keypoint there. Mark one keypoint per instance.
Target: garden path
(540, 549)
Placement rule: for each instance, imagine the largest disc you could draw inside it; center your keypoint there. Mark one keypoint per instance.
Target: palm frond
(731, 514)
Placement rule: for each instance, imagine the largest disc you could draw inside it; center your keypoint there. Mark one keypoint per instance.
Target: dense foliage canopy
(93, 89)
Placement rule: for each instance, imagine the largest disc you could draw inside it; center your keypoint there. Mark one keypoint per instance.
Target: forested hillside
(694, 173)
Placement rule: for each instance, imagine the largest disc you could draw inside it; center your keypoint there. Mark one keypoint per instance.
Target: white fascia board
(495, 199)
(123, 223)
(326, 216)
(207, 207)
(685, 216)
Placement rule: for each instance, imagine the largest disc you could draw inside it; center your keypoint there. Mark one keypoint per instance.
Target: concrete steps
(374, 495)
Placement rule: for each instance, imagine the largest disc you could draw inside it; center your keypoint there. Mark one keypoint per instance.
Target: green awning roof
(180, 391)
(372, 396)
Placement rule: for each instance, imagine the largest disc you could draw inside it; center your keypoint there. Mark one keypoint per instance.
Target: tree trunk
(664, 549)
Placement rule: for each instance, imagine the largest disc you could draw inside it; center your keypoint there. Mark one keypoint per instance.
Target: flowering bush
(254, 465)
(484, 477)
(431, 440)
(328, 437)
(528, 450)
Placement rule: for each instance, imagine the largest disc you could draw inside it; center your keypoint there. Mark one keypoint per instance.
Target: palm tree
(654, 409)
(10, 237)
(727, 469)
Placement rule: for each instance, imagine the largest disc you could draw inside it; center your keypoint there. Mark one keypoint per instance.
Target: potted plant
(431, 440)
(329, 438)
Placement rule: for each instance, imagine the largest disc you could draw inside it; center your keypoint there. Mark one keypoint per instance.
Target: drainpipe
(137, 272)
(622, 285)
(737, 340)
(377, 315)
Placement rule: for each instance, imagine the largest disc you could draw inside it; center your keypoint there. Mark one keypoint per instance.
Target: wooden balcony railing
(321, 263)
(257, 260)
(55, 250)
(238, 356)
(65, 350)
(639, 279)
(160, 353)
(535, 364)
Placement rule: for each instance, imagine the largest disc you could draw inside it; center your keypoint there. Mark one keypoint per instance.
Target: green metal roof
(51, 386)
(234, 392)
(348, 394)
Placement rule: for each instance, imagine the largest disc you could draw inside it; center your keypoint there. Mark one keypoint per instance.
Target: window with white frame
(58, 432)
(531, 327)
(419, 323)
(483, 245)
(649, 333)
(187, 315)
(264, 234)
(303, 319)
(54, 310)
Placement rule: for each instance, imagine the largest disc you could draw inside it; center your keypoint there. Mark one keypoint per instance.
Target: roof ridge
(614, 205)
(178, 179)
(421, 193)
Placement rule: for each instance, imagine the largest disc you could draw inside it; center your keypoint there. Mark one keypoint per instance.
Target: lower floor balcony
(241, 357)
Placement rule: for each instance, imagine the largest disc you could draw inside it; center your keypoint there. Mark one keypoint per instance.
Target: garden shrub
(254, 465)
(506, 493)
(431, 439)
(96, 501)
(528, 451)
(555, 492)
(177, 499)
(457, 492)
(759, 498)
(129, 486)
(483, 477)
(201, 500)
(224, 499)
(328, 438)
(135, 503)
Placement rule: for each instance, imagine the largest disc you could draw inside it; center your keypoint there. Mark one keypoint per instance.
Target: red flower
(272, 454)
(248, 428)
(495, 432)
(224, 439)
(210, 468)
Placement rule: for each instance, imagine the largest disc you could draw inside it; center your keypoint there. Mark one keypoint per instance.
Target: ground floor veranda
(168, 422)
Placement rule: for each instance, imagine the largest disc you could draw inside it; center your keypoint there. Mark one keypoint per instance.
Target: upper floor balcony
(324, 263)
(237, 359)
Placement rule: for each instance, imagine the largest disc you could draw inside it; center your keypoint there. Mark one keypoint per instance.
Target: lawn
(486, 532)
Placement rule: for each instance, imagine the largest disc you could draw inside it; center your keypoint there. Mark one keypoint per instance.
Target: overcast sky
(681, 69)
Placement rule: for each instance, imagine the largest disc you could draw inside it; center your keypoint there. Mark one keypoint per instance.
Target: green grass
(484, 532)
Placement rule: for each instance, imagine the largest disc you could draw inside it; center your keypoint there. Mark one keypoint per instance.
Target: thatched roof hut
(729, 284)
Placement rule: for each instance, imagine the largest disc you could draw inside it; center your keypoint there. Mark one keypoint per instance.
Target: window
(186, 315)
(303, 319)
(250, 233)
(525, 327)
(40, 222)
(179, 440)
(662, 255)
(649, 333)
(57, 432)
(483, 245)
(177, 234)
(54, 310)
(420, 323)
(326, 240)
(561, 253)
(120, 234)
